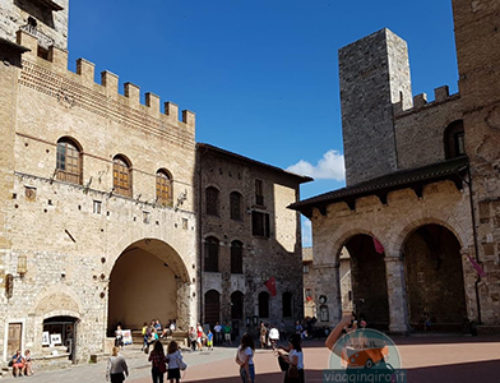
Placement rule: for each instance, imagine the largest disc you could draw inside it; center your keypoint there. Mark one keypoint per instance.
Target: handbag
(162, 367)
(181, 364)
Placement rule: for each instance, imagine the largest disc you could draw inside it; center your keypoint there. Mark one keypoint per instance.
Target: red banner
(271, 286)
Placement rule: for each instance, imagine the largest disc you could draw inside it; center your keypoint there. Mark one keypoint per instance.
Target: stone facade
(432, 228)
(61, 240)
(276, 253)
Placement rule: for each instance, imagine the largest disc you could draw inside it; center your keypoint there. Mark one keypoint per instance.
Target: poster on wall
(127, 337)
(55, 340)
(45, 338)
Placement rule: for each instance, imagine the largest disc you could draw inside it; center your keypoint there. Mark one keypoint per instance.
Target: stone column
(396, 295)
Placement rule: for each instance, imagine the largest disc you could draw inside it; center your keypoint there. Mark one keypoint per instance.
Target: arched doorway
(264, 305)
(434, 279)
(147, 282)
(368, 280)
(60, 331)
(237, 299)
(212, 307)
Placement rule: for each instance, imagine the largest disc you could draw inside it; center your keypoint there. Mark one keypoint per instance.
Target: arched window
(236, 257)
(164, 188)
(211, 254)
(454, 144)
(69, 161)
(287, 304)
(212, 200)
(235, 205)
(212, 307)
(237, 305)
(122, 176)
(264, 305)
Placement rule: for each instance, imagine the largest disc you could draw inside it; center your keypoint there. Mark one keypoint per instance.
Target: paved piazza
(427, 359)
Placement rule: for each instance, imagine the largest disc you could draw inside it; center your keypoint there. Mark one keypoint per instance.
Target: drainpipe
(476, 245)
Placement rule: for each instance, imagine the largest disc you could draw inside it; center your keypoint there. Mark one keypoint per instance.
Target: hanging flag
(476, 266)
(378, 246)
(271, 286)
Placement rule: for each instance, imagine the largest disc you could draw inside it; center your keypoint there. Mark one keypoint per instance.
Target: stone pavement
(427, 360)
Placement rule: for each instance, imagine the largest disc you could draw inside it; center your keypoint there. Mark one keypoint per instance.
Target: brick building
(420, 215)
(248, 236)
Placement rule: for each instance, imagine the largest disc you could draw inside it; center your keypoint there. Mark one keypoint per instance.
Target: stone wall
(52, 25)
(70, 247)
(279, 255)
(374, 73)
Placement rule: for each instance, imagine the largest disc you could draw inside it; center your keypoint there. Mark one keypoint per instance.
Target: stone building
(248, 237)
(420, 215)
(97, 204)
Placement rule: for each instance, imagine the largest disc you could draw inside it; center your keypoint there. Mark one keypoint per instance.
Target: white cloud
(331, 166)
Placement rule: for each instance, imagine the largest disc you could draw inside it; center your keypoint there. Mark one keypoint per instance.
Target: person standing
(227, 333)
(274, 336)
(200, 336)
(174, 357)
(118, 337)
(158, 362)
(263, 334)
(244, 358)
(193, 336)
(117, 368)
(210, 340)
(218, 333)
(295, 360)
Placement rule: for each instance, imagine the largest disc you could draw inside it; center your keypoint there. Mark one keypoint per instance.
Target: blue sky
(261, 76)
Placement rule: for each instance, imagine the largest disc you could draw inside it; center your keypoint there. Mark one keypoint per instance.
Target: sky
(261, 76)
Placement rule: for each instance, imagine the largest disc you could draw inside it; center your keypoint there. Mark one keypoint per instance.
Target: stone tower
(374, 74)
(47, 20)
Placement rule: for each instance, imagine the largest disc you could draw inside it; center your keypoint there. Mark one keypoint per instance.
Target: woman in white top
(117, 367)
(295, 359)
(244, 358)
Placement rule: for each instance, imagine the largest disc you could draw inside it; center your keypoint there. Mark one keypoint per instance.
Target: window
(237, 305)
(122, 177)
(211, 254)
(287, 304)
(264, 305)
(146, 217)
(454, 144)
(260, 224)
(97, 207)
(324, 314)
(236, 257)
(68, 161)
(163, 188)
(259, 194)
(212, 200)
(235, 205)
(305, 268)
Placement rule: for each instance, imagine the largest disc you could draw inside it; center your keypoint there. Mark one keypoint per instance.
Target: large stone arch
(148, 280)
(57, 300)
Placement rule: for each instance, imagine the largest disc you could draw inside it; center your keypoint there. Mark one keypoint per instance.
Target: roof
(415, 178)
(238, 157)
(52, 5)
(13, 45)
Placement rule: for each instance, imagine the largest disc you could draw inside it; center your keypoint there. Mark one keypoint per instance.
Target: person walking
(158, 362)
(175, 362)
(294, 356)
(244, 358)
(193, 336)
(117, 368)
(263, 334)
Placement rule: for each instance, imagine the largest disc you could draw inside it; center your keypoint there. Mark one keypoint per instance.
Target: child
(210, 340)
(174, 357)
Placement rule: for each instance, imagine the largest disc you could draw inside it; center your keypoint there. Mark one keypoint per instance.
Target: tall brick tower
(374, 74)
(477, 36)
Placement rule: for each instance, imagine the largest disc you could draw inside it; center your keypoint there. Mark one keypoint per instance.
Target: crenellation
(188, 117)
(172, 110)
(86, 70)
(153, 102)
(110, 81)
(59, 59)
(133, 93)
(420, 100)
(441, 93)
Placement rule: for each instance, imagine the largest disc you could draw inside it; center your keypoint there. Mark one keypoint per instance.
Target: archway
(434, 279)
(61, 331)
(147, 283)
(212, 307)
(368, 279)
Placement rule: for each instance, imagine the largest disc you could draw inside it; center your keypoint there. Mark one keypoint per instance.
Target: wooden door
(14, 338)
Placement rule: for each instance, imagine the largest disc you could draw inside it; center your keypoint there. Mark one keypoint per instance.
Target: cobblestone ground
(427, 360)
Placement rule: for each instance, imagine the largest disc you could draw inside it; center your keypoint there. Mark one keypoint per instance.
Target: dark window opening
(454, 140)
(211, 254)
(259, 193)
(287, 304)
(237, 305)
(264, 305)
(212, 201)
(260, 224)
(235, 205)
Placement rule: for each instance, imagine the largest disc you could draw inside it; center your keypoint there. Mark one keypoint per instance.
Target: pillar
(396, 295)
